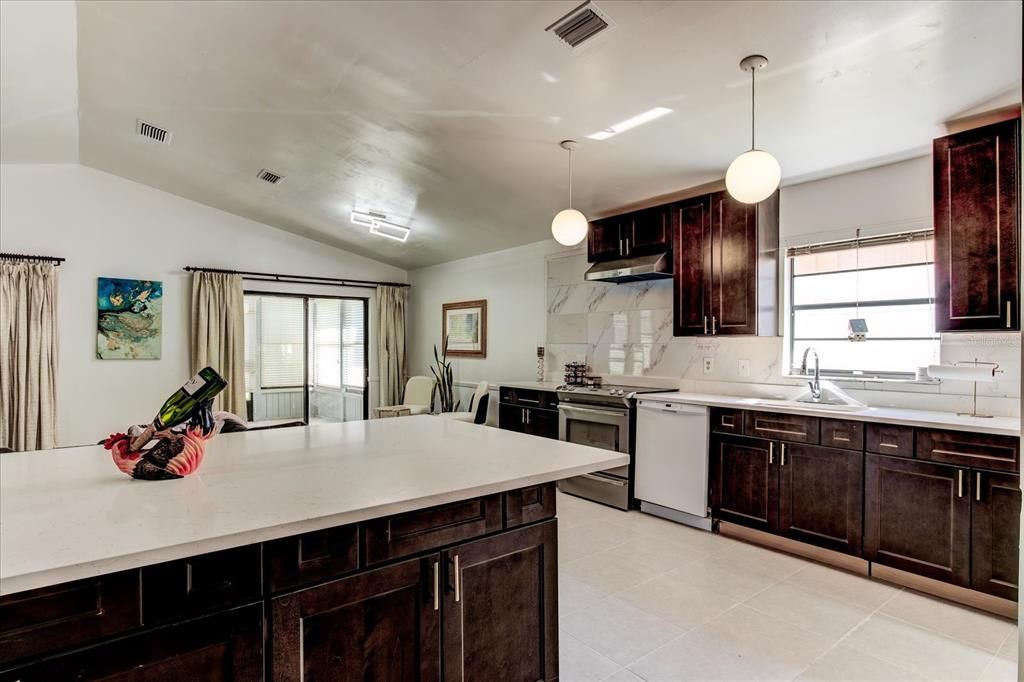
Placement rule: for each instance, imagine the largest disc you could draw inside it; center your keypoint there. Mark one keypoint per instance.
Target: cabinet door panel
(604, 241)
(734, 269)
(977, 228)
(543, 423)
(379, 625)
(745, 481)
(918, 517)
(691, 249)
(501, 607)
(652, 232)
(512, 418)
(995, 533)
(821, 496)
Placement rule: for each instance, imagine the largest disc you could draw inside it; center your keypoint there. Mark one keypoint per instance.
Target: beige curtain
(391, 304)
(218, 334)
(28, 355)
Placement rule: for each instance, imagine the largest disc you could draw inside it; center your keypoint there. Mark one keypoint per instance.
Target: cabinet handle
(522, 415)
(977, 486)
(959, 482)
(713, 321)
(771, 453)
(783, 462)
(705, 324)
(620, 246)
(437, 585)
(458, 581)
(1009, 314)
(527, 416)
(627, 246)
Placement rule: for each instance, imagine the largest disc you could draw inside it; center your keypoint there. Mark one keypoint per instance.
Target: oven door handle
(591, 410)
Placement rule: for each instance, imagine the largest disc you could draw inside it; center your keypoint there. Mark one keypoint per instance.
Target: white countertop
(69, 513)
(1004, 426)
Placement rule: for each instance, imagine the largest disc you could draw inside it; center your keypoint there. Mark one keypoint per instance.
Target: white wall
(111, 227)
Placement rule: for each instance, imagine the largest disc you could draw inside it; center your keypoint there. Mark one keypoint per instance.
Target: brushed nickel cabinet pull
(437, 585)
(771, 453)
(840, 436)
(705, 324)
(977, 486)
(527, 416)
(889, 445)
(783, 461)
(627, 246)
(458, 581)
(522, 415)
(959, 482)
(620, 246)
(1009, 314)
(713, 321)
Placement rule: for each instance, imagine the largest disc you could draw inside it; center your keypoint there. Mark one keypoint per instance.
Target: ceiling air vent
(270, 176)
(580, 25)
(153, 132)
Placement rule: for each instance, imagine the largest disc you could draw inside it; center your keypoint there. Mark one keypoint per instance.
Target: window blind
(353, 355)
(327, 343)
(281, 341)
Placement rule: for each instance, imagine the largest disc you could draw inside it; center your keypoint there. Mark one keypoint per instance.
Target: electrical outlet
(709, 365)
(743, 368)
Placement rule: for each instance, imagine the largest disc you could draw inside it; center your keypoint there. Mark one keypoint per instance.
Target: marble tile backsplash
(626, 330)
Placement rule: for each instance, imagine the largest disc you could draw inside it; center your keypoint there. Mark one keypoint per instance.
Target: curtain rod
(299, 279)
(22, 256)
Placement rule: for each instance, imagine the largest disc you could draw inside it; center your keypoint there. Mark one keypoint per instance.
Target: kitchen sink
(806, 405)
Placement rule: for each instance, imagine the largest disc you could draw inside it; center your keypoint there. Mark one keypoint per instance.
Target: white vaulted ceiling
(446, 115)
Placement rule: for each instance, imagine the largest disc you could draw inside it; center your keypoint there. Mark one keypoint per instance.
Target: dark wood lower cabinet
(918, 517)
(532, 420)
(995, 533)
(224, 647)
(501, 607)
(821, 496)
(745, 481)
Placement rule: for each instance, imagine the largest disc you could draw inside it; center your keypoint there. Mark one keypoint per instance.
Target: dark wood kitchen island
(412, 548)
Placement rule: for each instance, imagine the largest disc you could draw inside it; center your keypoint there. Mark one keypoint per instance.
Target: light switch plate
(743, 368)
(709, 365)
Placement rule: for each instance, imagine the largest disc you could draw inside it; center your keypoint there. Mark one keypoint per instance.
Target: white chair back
(418, 391)
(480, 392)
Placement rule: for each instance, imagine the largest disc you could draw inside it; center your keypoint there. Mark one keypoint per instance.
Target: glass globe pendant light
(569, 226)
(754, 175)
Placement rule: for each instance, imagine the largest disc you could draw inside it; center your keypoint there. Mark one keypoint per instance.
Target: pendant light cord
(753, 118)
(570, 177)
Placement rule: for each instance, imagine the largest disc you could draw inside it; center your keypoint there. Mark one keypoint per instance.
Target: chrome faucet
(815, 384)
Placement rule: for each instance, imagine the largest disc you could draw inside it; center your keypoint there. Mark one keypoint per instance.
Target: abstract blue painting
(129, 325)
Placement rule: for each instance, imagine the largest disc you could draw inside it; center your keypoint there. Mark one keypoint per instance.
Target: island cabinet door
(995, 533)
(821, 496)
(918, 517)
(380, 625)
(512, 418)
(501, 607)
(745, 481)
(224, 647)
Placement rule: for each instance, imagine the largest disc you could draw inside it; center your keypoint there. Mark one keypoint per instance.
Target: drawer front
(791, 427)
(890, 439)
(840, 433)
(201, 584)
(420, 531)
(528, 397)
(506, 394)
(311, 557)
(527, 505)
(984, 451)
(46, 620)
(726, 420)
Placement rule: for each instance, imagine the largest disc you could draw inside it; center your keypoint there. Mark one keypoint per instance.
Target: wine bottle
(178, 408)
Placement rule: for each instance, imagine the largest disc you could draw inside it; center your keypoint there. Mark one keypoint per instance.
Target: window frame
(791, 308)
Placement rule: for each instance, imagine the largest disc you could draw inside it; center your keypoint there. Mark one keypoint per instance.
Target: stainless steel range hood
(658, 266)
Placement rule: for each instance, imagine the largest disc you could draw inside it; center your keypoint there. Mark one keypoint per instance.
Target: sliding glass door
(305, 359)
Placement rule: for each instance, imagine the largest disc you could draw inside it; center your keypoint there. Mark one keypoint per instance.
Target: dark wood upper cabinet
(745, 481)
(917, 517)
(726, 266)
(608, 237)
(820, 496)
(652, 232)
(995, 533)
(629, 235)
(977, 223)
(501, 607)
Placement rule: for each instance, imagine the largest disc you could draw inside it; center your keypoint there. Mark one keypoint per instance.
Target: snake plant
(444, 389)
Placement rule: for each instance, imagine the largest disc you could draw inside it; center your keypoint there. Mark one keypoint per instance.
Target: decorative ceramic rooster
(177, 452)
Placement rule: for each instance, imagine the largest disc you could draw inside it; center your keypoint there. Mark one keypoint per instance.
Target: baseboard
(961, 595)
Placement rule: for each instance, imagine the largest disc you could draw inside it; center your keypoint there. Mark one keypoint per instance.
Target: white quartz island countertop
(69, 513)
(1003, 426)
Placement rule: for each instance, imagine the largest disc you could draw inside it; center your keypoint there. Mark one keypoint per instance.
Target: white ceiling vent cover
(155, 133)
(580, 25)
(270, 176)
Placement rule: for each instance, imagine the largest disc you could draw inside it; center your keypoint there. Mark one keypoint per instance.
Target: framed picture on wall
(464, 324)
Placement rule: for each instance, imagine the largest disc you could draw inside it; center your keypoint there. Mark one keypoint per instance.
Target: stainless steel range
(603, 417)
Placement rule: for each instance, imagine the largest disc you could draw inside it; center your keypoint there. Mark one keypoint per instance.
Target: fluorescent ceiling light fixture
(363, 218)
(629, 123)
(383, 228)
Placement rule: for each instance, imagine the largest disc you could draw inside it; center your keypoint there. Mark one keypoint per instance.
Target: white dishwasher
(672, 461)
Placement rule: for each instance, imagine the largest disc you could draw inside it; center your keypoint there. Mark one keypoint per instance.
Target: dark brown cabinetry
(995, 533)
(820, 496)
(726, 270)
(745, 482)
(640, 233)
(977, 225)
(652, 232)
(500, 607)
(528, 411)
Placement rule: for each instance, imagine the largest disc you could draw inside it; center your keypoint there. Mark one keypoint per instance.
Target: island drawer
(841, 433)
(419, 531)
(311, 557)
(53, 618)
(200, 584)
(795, 428)
(982, 451)
(526, 505)
(727, 420)
(528, 397)
(890, 439)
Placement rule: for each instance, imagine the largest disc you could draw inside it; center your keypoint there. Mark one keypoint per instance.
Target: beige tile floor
(645, 599)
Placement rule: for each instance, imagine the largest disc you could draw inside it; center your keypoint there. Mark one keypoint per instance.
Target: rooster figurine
(177, 452)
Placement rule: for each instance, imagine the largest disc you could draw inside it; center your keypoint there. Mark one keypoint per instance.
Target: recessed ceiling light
(629, 123)
(379, 225)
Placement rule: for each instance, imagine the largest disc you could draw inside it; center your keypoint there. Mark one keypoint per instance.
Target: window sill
(849, 379)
